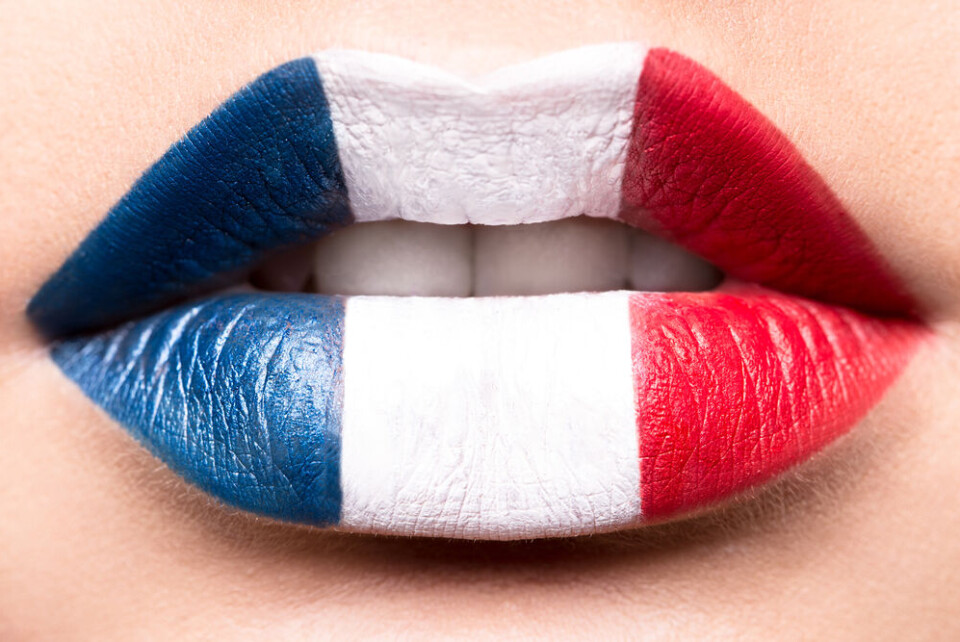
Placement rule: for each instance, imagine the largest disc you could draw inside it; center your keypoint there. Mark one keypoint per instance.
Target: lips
(747, 200)
(494, 417)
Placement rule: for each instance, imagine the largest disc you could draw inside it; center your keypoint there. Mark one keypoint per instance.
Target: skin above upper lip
(489, 418)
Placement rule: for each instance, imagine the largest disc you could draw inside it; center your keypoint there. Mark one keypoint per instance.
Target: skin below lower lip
(696, 397)
(250, 397)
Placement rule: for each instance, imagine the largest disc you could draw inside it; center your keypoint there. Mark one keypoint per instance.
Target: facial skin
(98, 540)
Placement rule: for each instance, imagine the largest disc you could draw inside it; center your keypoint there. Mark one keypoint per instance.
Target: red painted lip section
(737, 385)
(733, 387)
(708, 171)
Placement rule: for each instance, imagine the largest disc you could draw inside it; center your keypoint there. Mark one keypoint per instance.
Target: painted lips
(489, 418)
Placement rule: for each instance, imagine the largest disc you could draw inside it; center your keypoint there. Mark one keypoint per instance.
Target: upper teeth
(570, 255)
(396, 258)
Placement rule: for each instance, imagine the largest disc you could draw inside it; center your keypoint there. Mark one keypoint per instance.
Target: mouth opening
(406, 258)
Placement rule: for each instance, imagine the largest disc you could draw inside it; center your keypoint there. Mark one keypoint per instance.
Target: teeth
(395, 258)
(570, 255)
(657, 265)
(403, 258)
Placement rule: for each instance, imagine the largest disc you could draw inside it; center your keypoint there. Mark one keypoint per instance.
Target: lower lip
(497, 418)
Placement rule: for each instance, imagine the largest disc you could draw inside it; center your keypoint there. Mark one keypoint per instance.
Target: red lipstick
(707, 170)
(733, 387)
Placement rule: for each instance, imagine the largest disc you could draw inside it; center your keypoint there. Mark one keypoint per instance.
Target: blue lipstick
(258, 174)
(239, 394)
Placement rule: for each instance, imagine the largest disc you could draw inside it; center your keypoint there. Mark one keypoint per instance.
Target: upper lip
(705, 169)
(678, 153)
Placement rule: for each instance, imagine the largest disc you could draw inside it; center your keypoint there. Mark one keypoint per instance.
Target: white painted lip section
(533, 142)
(489, 418)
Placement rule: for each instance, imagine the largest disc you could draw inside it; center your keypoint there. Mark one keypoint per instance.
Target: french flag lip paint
(498, 418)
(239, 394)
(707, 170)
(487, 418)
(260, 172)
(734, 387)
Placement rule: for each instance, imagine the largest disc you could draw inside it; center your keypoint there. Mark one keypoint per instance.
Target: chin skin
(101, 541)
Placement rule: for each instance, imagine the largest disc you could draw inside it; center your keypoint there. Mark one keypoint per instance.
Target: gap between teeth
(404, 258)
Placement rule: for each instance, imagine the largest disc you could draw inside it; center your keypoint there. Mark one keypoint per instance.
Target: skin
(98, 540)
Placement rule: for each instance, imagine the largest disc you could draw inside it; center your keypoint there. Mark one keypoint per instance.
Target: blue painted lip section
(258, 174)
(239, 394)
